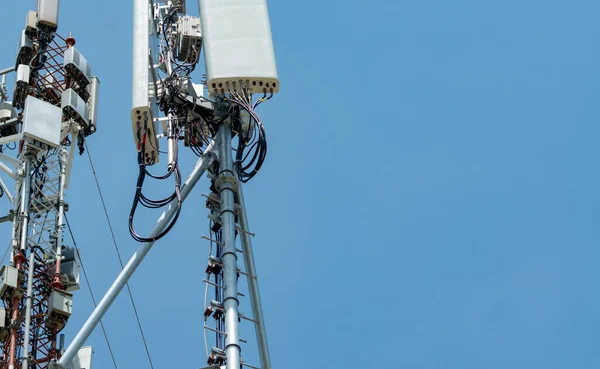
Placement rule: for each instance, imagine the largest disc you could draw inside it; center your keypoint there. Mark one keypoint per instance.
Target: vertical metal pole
(172, 141)
(25, 202)
(257, 313)
(227, 183)
(61, 213)
(13, 248)
(19, 257)
(28, 310)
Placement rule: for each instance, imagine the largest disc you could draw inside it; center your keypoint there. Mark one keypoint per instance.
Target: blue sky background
(430, 198)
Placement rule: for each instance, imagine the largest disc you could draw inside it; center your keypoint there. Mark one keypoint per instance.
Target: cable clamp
(226, 178)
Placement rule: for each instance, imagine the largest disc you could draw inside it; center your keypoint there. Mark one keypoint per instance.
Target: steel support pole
(60, 219)
(171, 125)
(227, 184)
(257, 313)
(19, 258)
(203, 163)
(25, 193)
(25, 363)
(6, 70)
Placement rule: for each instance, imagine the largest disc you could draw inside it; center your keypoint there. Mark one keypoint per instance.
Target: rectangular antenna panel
(24, 50)
(48, 13)
(23, 73)
(42, 121)
(238, 46)
(31, 23)
(77, 66)
(93, 88)
(75, 108)
(21, 88)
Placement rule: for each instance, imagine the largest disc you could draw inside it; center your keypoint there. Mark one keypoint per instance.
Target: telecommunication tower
(52, 111)
(215, 118)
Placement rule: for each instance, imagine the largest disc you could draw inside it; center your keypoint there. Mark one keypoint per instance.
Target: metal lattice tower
(52, 112)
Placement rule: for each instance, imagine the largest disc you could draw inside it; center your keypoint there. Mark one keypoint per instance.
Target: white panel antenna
(7, 111)
(48, 14)
(25, 50)
(31, 23)
(42, 121)
(21, 86)
(93, 89)
(238, 46)
(77, 66)
(75, 108)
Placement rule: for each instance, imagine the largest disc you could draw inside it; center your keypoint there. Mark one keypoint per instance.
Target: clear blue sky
(430, 198)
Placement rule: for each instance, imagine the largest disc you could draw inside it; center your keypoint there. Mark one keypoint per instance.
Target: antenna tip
(70, 40)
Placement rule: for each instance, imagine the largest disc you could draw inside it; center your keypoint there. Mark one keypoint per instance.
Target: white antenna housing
(41, 121)
(93, 91)
(31, 23)
(21, 89)
(25, 49)
(77, 66)
(48, 14)
(238, 46)
(75, 108)
(7, 111)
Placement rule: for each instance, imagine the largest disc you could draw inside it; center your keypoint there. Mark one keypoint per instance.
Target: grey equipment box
(60, 303)
(9, 282)
(190, 37)
(70, 269)
(42, 121)
(60, 307)
(238, 46)
(4, 323)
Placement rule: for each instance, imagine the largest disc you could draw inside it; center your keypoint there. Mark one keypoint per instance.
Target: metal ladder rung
(214, 198)
(211, 240)
(220, 243)
(248, 319)
(219, 286)
(245, 231)
(249, 366)
(214, 330)
(247, 275)
(222, 333)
